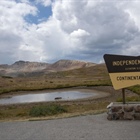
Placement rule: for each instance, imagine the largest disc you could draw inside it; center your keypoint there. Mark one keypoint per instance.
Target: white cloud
(79, 33)
(109, 26)
(76, 30)
(12, 15)
(12, 27)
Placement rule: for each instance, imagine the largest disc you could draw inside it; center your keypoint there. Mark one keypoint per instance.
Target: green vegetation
(135, 89)
(130, 99)
(44, 110)
(49, 110)
(9, 77)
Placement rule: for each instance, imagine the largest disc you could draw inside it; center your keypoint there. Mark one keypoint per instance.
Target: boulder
(128, 108)
(116, 108)
(137, 109)
(137, 116)
(128, 115)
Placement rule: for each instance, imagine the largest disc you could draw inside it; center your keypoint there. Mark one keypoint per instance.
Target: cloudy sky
(50, 30)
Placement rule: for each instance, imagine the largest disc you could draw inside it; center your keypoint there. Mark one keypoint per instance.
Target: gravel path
(90, 127)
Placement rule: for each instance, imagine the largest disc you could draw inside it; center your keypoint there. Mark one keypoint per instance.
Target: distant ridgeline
(26, 68)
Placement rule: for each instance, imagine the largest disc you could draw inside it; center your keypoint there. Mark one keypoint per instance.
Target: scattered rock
(58, 98)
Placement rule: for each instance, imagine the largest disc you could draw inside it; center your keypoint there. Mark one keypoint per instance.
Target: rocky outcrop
(27, 66)
(21, 68)
(119, 111)
(63, 65)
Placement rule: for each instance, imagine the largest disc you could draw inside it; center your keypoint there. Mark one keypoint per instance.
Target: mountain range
(26, 68)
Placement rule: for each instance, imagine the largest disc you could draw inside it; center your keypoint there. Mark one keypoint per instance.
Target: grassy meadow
(92, 76)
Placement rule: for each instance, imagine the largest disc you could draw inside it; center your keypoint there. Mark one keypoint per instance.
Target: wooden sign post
(123, 95)
(124, 71)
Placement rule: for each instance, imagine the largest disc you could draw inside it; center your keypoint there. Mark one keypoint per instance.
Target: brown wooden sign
(124, 71)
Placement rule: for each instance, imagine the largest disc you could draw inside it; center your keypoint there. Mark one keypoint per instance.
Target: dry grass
(92, 76)
(80, 77)
(22, 112)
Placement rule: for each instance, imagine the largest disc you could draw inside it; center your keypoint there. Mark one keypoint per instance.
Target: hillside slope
(26, 68)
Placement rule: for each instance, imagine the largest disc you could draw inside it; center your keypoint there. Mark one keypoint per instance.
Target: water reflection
(41, 97)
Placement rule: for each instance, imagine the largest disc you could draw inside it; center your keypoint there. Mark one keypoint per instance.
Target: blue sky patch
(43, 14)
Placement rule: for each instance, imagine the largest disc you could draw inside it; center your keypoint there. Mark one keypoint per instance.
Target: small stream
(46, 96)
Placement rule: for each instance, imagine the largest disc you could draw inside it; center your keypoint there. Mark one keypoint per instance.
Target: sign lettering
(124, 71)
